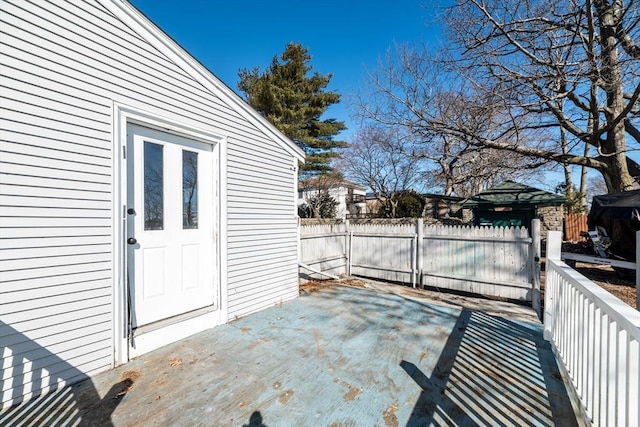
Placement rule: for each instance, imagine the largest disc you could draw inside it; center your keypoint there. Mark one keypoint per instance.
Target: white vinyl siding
(262, 229)
(63, 65)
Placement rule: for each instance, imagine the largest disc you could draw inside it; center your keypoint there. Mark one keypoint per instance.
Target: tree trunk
(613, 148)
(568, 180)
(584, 174)
(616, 175)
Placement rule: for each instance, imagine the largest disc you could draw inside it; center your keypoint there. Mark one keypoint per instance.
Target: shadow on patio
(77, 405)
(350, 356)
(490, 372)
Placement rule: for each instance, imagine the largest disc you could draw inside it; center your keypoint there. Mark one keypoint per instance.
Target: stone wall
(551, 218)
(467, 215)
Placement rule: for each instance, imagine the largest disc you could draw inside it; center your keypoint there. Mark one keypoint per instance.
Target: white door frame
(122, 115)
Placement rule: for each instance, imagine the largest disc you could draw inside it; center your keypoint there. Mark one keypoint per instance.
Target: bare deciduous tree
(375, 160)
(413, 95)
(537, 78)
(462, 167)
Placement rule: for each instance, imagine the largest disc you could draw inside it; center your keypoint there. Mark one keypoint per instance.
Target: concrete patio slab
(379, 355)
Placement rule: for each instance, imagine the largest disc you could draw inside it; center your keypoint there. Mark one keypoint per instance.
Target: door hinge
(124, 151)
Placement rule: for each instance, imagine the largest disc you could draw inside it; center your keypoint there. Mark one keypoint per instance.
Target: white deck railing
(596, 338)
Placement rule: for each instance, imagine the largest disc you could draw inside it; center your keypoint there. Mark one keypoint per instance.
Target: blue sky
(344, 37)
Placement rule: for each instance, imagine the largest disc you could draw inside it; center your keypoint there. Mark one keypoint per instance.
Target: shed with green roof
(514, 204)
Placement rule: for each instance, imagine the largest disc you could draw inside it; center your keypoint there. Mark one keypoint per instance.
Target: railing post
(554, 250)
(638, 270)
(535, 267)
(419, 250)
(554, 245)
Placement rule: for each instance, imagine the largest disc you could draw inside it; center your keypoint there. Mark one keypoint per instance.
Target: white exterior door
(170, 225)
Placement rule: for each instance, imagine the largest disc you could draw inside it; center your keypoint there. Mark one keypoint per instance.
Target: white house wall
(262, 227)
(63, 66)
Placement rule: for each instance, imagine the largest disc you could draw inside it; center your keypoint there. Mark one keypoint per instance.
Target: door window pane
(189, 189)
(153, 186)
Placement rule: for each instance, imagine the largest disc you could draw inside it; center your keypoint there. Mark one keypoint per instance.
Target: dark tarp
(619, 214)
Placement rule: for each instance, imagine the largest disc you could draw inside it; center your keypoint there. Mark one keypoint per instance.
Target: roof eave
(165, 44)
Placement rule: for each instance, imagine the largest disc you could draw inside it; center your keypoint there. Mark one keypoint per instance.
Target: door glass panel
(189, 189)
(153, 186)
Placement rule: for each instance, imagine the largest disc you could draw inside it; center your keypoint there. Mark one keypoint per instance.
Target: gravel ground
(605, 276)
(621, 283)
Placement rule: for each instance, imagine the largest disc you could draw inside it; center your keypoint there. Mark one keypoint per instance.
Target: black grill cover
(619, 214)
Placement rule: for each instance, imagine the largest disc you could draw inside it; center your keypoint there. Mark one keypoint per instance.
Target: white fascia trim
(119, 304)
(223, 255)
(165, 44)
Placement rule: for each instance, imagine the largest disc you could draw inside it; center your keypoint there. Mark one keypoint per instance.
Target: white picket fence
(494, 261)
(596, 338)
(324, 247)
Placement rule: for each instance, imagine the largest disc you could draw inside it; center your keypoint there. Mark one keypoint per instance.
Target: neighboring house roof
(164, 43)
(350, 184)
(312, 184)
(509, 193)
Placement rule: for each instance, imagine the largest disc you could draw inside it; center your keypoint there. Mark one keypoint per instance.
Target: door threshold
(160, 324)
(158, 334)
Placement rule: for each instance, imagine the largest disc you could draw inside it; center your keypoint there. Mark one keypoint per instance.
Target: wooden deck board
(383, 355)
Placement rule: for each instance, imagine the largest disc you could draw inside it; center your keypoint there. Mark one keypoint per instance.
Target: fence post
(554, 252)
(535, 267)
(347, 247)
(638, 270)
(419, 250)
(299, 247)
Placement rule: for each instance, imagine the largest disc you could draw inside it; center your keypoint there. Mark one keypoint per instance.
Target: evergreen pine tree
(294, 102)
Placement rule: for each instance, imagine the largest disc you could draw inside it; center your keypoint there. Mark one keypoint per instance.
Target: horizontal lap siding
(56, 273)
(262, 228)
(63, 66)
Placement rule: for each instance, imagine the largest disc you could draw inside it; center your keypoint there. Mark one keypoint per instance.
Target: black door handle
(132, 240)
